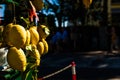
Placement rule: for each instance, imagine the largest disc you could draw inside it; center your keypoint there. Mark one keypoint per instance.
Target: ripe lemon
(27, 37)
(27, 42)
(34, 36)
(17, 36)
(43, 31)
(6, 32)
(34, 53)
(16, 59)
(37, 57)
(40, 47)
(45, 46)
(1, 31)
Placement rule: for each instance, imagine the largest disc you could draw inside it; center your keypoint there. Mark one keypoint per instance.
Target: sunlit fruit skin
(43, 31)
(27, 42)
(1, 31)
(16, 59)
(6, 32)
(37, 56)
(27, 37)
(45, 46)
(17, 36)
(34, 53)
(34, 36)
(40, 47)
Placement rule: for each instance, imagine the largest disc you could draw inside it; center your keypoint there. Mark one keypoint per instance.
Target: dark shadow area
(92, 65)
(84, 38)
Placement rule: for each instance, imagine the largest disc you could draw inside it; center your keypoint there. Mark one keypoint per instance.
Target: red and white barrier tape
(61, 70)
(73, 71)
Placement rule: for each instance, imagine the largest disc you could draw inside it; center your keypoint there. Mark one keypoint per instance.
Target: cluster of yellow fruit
(25, 43)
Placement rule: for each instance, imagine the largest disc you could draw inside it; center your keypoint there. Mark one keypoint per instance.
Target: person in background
(65, 38)
(56, 41)
(114, 39)
(73, 37)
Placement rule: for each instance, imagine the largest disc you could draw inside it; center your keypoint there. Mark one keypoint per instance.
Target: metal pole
(109, 11)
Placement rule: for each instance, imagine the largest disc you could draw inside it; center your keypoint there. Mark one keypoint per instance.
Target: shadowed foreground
(89, 66)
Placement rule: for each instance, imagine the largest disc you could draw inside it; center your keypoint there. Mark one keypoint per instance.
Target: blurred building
(115, 11)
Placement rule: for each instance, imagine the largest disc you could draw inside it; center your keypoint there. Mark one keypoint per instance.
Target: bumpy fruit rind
(16, 59)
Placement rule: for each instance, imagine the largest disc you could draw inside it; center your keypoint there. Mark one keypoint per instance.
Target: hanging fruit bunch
(26, 44)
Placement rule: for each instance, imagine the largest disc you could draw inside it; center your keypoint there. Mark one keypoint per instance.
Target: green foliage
(11, 1)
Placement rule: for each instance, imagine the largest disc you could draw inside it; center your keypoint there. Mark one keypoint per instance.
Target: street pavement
(92, 65)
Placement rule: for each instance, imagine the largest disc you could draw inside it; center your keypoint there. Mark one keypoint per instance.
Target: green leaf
(11, 1)
(7, 76)
(26, 20)
(15, 75)
(26, 75)
(28, 47)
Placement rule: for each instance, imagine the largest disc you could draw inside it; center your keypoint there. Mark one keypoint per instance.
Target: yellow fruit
(27, 37)
(34, 27)
(37, 57)
(43, 31)
(27, 42)
(87, 3)
(17, 36)
(33, 46)
(1, 44)
(16, 59)
(1, 28)
(38, 62)
(45, 46)
(34, 36)
(6, 32)
(40, 47)
(35, 54)
(1, 31)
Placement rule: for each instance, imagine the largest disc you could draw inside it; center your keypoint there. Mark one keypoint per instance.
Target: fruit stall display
(22, 46)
